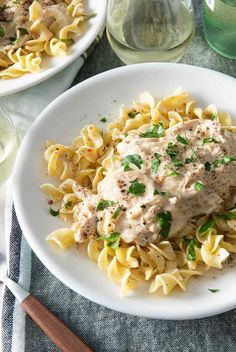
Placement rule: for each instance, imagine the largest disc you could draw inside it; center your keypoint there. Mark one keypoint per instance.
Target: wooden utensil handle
(63, 338)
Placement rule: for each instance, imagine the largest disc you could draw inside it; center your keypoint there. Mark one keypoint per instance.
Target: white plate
(62, 121)
(52, 65)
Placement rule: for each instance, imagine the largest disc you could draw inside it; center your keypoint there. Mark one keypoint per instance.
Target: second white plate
(51, 66)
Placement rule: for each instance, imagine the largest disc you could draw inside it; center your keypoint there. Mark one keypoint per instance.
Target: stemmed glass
(150, 30)
(9, 143)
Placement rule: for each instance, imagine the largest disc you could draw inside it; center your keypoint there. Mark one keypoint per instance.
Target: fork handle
(63, 338)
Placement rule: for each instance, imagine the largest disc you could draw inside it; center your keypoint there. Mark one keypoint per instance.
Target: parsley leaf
(178, 163)
(132, 114)
(171, 171)
(155, 131)
(191, 254)
(183, 140)
(53, 212)
(207, 166)
(213, 290)
(214, 116)
(116, 213)
(207, 226)
(208, 140)
(157, 192)
(191, 159)
(198, 186)
(2, 32)
(22, 30)
(136, 187)
(228, 216)
(68, 205)
(225, 160)
(13, 40)
(131, 159)
(103, 204)
(156, 163)
(103, 119)
(171, 151)
(68, 41)
(112, 240)
(164, 220)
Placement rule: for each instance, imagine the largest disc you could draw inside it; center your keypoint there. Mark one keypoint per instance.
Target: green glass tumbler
(219, 23)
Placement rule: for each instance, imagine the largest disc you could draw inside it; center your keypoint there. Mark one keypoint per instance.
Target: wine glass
(9, 143)
(150, 30)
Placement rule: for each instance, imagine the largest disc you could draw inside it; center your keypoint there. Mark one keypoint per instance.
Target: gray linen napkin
(103, 329)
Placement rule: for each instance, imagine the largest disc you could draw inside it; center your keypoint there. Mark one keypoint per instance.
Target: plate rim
(60, 67)
(50, 264)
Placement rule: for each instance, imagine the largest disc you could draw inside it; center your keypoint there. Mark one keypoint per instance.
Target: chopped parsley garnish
(178, 163)
(68, 205)
(198, 186)
(191, 254)
(171, 150)
(225, 160)
(214, 116)
(132, 114)
(156, 162)
(103, 204)
(183, 140)
(164, 220)
(207, 226)
(213, 290)
(116, 213)
(112, 240)
(136, 187)
(53, 212)
(132, 159)
(208, 140)
(155, 131)
(2, 32)
(207, 166)
(103, 119)
(160, 193)
(172, 173)
(228, 216)
(22, 30)
(190, 160)
(13, 40)
(143, 206)
(68, 41)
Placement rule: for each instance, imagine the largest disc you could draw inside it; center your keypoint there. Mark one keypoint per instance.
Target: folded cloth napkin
(23, 108)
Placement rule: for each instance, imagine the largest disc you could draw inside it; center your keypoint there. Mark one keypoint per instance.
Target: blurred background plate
(52, 65)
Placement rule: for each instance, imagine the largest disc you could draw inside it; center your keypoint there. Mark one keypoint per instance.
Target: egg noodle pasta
(29, 30)
(156, 253)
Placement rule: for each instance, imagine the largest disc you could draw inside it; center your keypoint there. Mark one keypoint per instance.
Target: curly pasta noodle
(46, 27)
(164, 265)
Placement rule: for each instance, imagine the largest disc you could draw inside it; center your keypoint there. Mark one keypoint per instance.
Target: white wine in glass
(150, 30)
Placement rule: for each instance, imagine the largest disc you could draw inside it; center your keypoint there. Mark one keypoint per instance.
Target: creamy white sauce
(137, 221)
